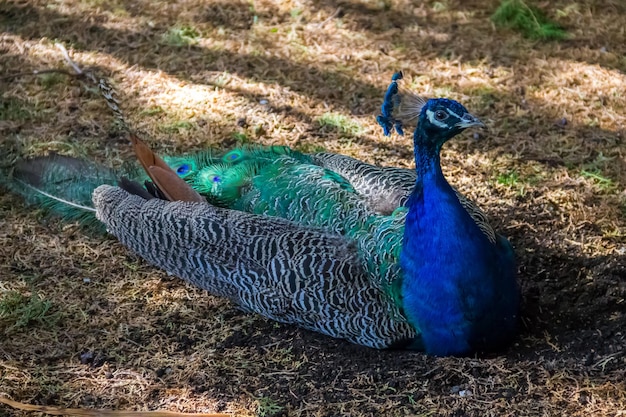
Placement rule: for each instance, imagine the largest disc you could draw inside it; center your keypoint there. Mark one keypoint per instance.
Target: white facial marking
(433, 120)
(450, 112)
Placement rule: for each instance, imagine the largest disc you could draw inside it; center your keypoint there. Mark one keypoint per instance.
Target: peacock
(380, 256)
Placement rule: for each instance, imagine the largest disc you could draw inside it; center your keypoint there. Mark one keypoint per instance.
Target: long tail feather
(64, 185)
(61, 184)
(55, 198)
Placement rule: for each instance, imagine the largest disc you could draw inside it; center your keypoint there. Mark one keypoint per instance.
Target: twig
(74, 65)
(66, 55)
(57, 411)
(331, 17)
(78, 72)
(105, 88)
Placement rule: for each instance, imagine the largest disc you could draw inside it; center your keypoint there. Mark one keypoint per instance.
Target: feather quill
(63, 202)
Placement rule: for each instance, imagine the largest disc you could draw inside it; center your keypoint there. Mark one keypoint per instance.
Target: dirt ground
(86, 324)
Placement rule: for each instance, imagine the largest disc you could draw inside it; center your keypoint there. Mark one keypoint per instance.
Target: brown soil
(93, 326)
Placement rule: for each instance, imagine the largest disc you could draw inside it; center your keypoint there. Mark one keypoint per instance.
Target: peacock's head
(436, 119)
(441, 119)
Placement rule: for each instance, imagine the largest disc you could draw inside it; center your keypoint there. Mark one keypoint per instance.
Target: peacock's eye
(441, 115)
(183, 169)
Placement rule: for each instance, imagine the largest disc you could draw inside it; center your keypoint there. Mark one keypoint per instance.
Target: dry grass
(550, 171)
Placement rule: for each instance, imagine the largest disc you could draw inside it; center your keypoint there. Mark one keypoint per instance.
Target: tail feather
(64, 185)
(55, 199)
(61, 184)
(168, 182)
(133, 187)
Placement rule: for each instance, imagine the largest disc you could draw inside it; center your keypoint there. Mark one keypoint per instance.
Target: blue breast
(459, 289)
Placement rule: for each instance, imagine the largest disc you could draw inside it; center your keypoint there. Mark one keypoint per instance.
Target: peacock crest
(400, 108)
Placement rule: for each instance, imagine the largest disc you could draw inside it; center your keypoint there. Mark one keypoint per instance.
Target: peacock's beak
(469, 120)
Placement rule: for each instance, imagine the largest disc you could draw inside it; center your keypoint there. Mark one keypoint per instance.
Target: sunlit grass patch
(518, 181)
(509, 178)
(295, 12)
(599, 172)
(512, 180)
(340, 123)
(177, 126)
(440, 6)
(152, 111)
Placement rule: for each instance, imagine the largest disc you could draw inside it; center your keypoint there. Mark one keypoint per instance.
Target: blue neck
(443, 258)
(427, 162)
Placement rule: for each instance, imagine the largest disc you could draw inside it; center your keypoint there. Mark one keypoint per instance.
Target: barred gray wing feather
(387, 188)
(284, 271)
(383, 188)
